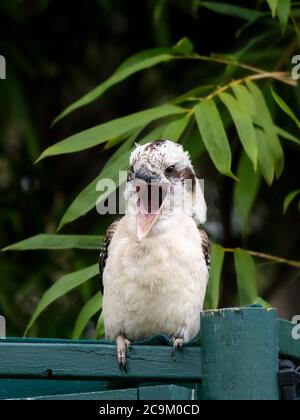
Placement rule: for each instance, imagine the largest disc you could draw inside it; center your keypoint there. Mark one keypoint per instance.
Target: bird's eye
(130, 175)
(170, 170)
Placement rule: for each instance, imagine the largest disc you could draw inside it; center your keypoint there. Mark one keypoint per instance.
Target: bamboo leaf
(214, 136)
(284, 134)
(103, 132)
(132, 65)
(231, 10)
(91, 308)
(100, 330)
(53, 242)
(193, 144)
(244, 125)
(87, 199)
(176, 128)
(245, 191)
(285, 107)
(264, 118)
(273, 6)
(265, 162)
(245, 98)
(246, 277)
(213, 289)
(116, 141)
(261, 302)
(192, 94)
(283, 10)
(289, 199)
(183, 46)
(64, 285)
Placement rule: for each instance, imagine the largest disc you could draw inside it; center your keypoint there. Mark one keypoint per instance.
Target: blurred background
(56, 51)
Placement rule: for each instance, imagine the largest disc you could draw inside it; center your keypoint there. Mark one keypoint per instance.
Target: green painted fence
(238, 359)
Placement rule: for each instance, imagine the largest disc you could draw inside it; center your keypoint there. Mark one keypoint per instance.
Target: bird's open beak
(150, 199)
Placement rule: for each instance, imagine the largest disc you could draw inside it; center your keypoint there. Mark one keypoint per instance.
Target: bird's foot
(122, 345)
(177, 344)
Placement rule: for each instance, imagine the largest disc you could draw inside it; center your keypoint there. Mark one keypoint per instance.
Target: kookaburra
(154, 262)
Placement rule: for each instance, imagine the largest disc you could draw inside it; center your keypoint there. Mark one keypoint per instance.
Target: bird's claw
(123, 366)
(122, 346)
(177, 344)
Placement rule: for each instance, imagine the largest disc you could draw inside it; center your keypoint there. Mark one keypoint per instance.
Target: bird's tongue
(150, 199)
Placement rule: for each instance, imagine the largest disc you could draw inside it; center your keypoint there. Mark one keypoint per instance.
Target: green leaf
(264, 118)
(284, 134)
(265, 162)
(245, 191)
(176, 128)
(261, 302)
(184, 46)
(53, 242)
(100, 330)
(231, 10)
(64, 285)
(214, 136)
(284, 106)
(213, 289)
(91, 308)
(87, 199)
(245, 98)
(289, 199)
(116, 141)
(193, 94)
(246, 277)
(132, 65)
(244, 125)
(273, 6)
(193, 144)
(283, 10)
(103, 132)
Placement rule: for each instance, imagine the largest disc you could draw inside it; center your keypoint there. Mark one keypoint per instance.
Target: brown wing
(104, 250)
(205, 246)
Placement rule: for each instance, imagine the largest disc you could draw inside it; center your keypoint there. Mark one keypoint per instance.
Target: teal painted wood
(240, 355)
(26, 388)
(96, 361)
(165, 393)
(149, 393)
(289, 347)
(119, 394)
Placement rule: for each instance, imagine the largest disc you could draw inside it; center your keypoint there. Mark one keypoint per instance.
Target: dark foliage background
(58, 50)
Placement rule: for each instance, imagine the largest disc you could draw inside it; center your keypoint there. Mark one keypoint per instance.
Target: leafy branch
(283, 77)
(269, 257)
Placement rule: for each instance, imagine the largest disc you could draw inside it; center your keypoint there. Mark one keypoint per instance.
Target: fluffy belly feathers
(157, 286)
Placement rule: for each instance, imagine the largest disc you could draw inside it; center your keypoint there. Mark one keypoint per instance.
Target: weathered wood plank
(96, 361)
(289, 347)
(118, 394)
(240, 355)
(30, 388)
(165, 393)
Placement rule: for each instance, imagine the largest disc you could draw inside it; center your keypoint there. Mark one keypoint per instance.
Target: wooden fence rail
(238, 358)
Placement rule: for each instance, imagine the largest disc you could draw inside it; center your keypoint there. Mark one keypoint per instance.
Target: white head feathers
(154, 160)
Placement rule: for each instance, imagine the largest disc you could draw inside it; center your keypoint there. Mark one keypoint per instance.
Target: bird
(155, 260)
